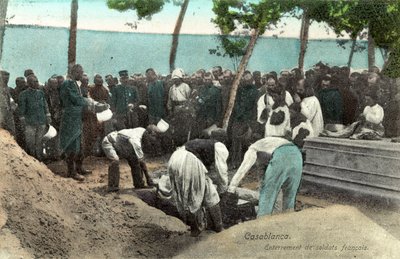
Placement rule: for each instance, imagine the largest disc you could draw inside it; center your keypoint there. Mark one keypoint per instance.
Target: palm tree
(72, 35)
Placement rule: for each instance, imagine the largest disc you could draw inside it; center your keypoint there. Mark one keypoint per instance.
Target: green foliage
(144, 8)
(230, 46)
(380, 17)
(253, 15)
(236, 14)
(233, 47)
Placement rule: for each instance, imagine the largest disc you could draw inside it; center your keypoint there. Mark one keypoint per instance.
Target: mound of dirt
(333, 232)
(44, 215)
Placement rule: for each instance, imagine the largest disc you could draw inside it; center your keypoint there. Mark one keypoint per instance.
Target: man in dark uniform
(35, 116)
(243, 118)
(155, 95)
(331, 102)
(72, 103)
(52, 92)
(123, 99)
(209, 104)
(20, 86)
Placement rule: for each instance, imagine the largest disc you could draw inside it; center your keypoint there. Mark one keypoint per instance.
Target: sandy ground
(45, 215)
(333, 232)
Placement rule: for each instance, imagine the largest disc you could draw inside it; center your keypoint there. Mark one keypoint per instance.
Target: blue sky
(95, 15)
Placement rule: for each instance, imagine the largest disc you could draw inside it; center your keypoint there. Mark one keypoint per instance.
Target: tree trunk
(72, 35)
(353, 47)
(242, 67)
(371, 51)
(3, 15)
(175, 35)
(305, 25)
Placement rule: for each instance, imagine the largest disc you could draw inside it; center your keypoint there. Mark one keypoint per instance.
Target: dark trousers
(125, 150)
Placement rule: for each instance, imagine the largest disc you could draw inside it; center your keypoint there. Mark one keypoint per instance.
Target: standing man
(123, 100)
(331, 102)
(283, 165)
(111, 82)
(100, 94)
(53, 99)
(6, 111)
(84, 85)
(309, 106)
(209, 104)
(35, 116)
(20, 86)
(72, 103)
(180, 109)
(155, 95)
(226, 84)
(243, 116)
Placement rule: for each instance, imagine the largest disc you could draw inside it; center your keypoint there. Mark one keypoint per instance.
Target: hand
(130, 106)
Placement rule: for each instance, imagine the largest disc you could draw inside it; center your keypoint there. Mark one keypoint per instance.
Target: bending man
(192, 184)
(284, 167)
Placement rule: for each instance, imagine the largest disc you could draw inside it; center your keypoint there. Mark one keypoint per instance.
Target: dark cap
(28, 72)
(123, 73)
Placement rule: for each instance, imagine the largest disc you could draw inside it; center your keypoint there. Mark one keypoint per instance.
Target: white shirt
(267, 145)
(261, 105)
(281, 129)
(374, 114)
(179, 93)
(304, 125)
(311, 108)
(221, 155)
(135, 139)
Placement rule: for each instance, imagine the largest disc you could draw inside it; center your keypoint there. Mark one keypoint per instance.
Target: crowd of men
(272, 115)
